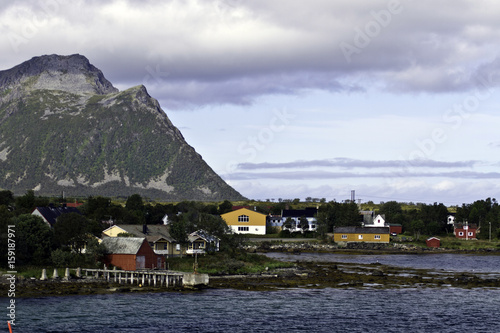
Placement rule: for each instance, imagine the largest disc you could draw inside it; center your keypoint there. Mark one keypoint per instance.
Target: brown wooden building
(433, 242)
(131, 253)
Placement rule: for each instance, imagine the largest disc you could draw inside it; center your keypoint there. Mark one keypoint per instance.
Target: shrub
(61, 258)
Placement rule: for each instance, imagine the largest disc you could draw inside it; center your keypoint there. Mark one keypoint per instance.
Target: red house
(396, 229)
(131, 253)
(433, 242)
(465, 231)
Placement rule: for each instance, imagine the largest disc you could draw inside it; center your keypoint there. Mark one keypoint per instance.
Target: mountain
(64, 127)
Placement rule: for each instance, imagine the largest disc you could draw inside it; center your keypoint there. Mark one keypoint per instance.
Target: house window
(243, 218)
(471, 233)
(360, 236)
(460, 233)
(243, 229)
(377, 236)
(165, 246)
(344, 236)
(177, 247)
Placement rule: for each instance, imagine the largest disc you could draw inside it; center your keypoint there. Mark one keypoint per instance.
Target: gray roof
(204, 235)
(361, 230)
(123, 245)
(154, 232)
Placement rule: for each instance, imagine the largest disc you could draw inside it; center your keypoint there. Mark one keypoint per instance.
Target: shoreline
(359, 248)
(304, 274)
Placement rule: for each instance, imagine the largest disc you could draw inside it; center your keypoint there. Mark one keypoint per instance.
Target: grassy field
(452, 243)
(222, 263)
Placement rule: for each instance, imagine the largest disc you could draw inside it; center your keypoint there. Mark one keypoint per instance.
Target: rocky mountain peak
(72, 73)
(65, 128)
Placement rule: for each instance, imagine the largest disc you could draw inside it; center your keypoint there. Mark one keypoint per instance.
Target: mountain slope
(64, 127)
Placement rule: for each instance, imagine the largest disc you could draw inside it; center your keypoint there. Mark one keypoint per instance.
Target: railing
(195, 251)
(161, 278)
(155, 278)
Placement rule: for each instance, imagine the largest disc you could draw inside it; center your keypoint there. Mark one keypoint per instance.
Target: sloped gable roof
(361, 230)
(123, 245)
(154, 232)
(50, 214)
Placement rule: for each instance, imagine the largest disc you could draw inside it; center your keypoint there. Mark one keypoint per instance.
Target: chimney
(144, 229)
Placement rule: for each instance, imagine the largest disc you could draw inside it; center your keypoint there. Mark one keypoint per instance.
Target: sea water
(291, 310)
(364, 309)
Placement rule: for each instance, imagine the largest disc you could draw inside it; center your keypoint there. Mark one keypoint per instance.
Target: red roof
(74, 204)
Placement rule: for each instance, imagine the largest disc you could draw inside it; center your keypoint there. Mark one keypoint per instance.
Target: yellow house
(360, 234)
(246, 221)
(157, 236)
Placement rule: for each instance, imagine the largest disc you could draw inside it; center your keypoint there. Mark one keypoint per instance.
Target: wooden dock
(155, 278)
(150, 278)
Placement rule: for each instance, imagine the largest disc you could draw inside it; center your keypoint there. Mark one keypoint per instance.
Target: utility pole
(490, 230)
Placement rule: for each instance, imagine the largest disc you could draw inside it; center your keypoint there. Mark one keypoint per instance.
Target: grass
(461, 244)
(223, 263)
(453, 243)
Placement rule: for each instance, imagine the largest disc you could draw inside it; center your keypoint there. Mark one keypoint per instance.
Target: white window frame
(344, 237)
(460, 233)
(360, 236)
(243, 218)
(378, 237)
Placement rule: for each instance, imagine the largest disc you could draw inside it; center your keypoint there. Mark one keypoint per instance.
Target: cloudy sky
(397, 100)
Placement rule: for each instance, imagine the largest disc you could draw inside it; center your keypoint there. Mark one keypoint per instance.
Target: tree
(322, 224)
(417, 227)
(391, 209)
(225, 207)
(26, 202)
(33, 239)
(303, 223)
(289, 224)
(134, 203)
(71, 230)
(6, 198)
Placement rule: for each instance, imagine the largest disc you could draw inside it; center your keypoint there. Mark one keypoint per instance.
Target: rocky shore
(381, 248)
(345, 275)
(301, 275)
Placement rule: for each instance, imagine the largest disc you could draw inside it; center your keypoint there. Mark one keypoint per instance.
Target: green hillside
(89, 141)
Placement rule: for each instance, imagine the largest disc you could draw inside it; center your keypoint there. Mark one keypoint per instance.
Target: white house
(378, 221)
(310, 213)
